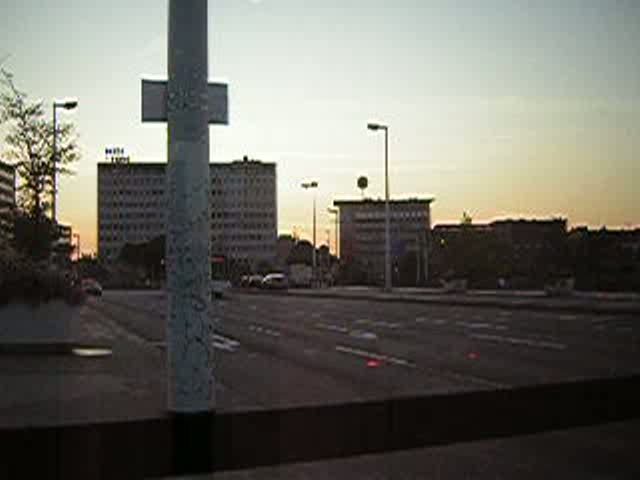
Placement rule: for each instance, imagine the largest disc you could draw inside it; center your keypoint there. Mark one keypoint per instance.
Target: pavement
(306, 349)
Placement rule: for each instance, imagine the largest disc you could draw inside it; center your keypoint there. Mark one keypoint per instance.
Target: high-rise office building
(132, 208)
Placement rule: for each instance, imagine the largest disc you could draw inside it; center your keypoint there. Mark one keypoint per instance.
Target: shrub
(22, 280)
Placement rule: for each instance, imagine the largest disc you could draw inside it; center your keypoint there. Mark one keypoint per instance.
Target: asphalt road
(280, 351)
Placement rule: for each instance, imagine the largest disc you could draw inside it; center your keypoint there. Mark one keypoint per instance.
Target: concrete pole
(191, 382)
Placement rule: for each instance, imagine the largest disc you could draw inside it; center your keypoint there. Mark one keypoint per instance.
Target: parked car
(255, 281)
(275, 281)
(91, 286)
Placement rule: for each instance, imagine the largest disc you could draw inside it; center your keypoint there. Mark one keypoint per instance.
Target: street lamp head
(310, 185)
(68, 105)
(376, 126)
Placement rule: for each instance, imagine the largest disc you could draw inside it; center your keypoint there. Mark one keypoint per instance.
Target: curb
(532, 305)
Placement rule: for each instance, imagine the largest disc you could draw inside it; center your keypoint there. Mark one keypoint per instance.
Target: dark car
(91, 287)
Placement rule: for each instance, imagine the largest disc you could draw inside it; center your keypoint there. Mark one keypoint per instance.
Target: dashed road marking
(375, 356)
(520, 341)
(481, 326)
(363, 335)
(332, 328)
(264, 330)
(381, 323)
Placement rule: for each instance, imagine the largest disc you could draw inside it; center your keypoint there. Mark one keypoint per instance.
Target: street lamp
(387, 241)
(334, 211)
(68, 105)
(307, 186)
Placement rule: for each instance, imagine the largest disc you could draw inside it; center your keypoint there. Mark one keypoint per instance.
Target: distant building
(606, 259)
(7, 199)
(132, 208)
(362, 238)
(528, 251)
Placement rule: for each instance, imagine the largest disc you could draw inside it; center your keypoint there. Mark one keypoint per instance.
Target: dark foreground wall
(146, 448)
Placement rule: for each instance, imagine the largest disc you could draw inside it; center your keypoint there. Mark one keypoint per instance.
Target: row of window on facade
(255, 192)
(243, 237)
(243, 214)
(143, 227)
(380, 216)
(244, 180)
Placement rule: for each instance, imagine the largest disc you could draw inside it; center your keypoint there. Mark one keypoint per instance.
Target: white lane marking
(375, 356)
(363, 335)
(228, 341)
(264, 330)
(219, 342)
(253, 307)
(316, 315)
(520, 341)
(439, 321)
(481, 326)
(375, 323)
(421, 320)
(332, 328)
(224, 343)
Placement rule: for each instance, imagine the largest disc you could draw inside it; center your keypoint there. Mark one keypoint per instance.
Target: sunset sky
(497, 108)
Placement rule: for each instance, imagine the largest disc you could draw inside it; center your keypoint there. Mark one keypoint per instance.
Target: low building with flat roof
(362, 234)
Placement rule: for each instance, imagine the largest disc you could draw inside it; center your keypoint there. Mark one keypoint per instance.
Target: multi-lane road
(280, 351)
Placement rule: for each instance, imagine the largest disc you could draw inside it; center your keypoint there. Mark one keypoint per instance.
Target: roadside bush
(25, 281)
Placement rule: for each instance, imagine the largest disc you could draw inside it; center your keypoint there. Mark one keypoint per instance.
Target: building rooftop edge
(232, 163)
(366, 201)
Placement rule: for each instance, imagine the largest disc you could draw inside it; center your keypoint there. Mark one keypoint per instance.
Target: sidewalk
(581, 302)
(50, 374)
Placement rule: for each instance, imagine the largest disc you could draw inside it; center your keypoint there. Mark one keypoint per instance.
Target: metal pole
(335, 248)
(55, 159)
(314, 235)
(387, 249)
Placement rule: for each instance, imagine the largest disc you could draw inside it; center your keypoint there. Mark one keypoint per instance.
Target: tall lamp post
(68, 105)
(334, 211)
(387, 239)
(307, 186)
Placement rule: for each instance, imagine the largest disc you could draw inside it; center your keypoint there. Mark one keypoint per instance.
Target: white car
(220, 287)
